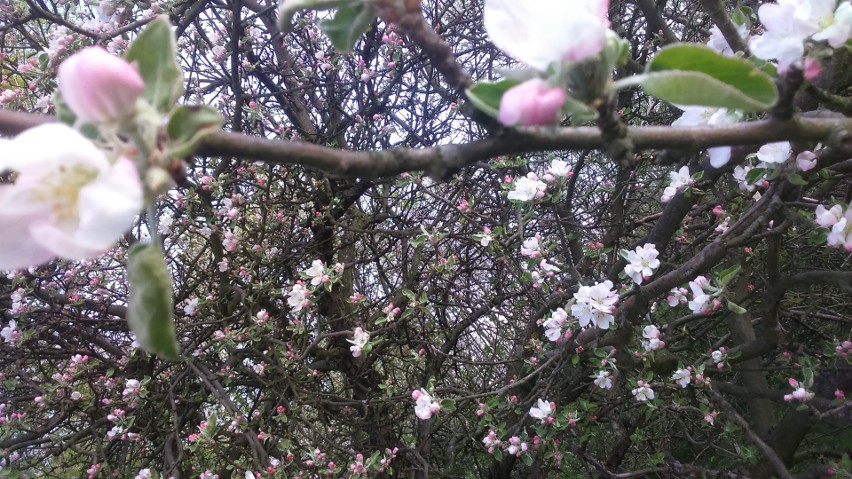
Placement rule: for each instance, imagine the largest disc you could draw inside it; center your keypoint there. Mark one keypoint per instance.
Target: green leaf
(728, 275)
(736, 308)
(188, 125)
(289, 8)
(150, 305)
(796, 179)
(689, 74)
(754, 174)
(350, 21)
(486, 95)
(155, 52)
(528, 460)
(448, 405)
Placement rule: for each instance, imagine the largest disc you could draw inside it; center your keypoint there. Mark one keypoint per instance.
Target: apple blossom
(531, 103)
(316, 272)
(718, 42)
(425, 406)
(68, 200)
(10, 333)
(643, 392)
(603, 381)
(697, 115)
(774, 152)
(559, 168)
(682, 376)
(841, 232)
(542, 410)
(531, 247)
(642, 262)
(527, 188)
(553, 325)
(652, 335)
(677, 296)
(99, 87)
(359, 341)
(701, 301)
(806, 160)
(595, 305)
(298, 297)
(541, 32)
(828, 218)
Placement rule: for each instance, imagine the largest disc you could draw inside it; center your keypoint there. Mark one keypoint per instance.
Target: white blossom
(542, 410)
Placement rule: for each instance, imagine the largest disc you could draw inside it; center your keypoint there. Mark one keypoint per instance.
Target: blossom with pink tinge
(531, 103)
(541, 32)
(68, 200)
(99, 87)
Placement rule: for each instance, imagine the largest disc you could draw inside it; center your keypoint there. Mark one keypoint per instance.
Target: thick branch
(444, 160)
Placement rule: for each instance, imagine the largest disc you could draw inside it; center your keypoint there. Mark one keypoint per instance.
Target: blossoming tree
(438, 238)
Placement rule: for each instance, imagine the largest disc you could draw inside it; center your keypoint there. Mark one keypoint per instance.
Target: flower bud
(99, 87)
(531, 103)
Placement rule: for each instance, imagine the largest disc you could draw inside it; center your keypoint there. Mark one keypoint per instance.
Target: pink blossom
(99, 87)
(531, 103)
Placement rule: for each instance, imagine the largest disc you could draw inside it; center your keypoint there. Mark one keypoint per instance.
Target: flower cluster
(603, 380)
(680, 180)
(425, 406)
(359, 341)
(839, 223)
(652, 340)
(554, 324)
(683, 377)
(555, 31)
(595, 305)
(800, 393)
(527, 188)
(643, 392)
(789, 23)
(702, 302)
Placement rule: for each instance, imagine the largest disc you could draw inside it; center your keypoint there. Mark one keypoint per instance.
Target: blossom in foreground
(531, 247)
(643, 392)
(424, 406)
(99, 87)
(541, 32)
(559, 168)
(67, 201)
(682, 376)
(642, 262)
(775, 152)
(359, 341)
(531, 103)
(527, 188)
(789, 22)
(543, 410)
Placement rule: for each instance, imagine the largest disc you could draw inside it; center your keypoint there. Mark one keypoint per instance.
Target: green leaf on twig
(155, 52)
(348, 24)
(486, 95)
(150, 307)
(690, 74)
(188, 125)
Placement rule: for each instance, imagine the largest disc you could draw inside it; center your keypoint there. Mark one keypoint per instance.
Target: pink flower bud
(99, 87)
(416, 394)
(531, 103)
